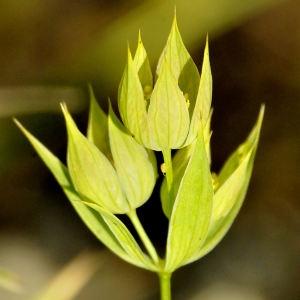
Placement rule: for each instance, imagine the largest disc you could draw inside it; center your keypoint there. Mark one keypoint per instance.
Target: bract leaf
(132, 105)
(142, 65)
(230, 195)
(235, 159)
(181, 66)
(192, 209)
(207, 136)
(168, 113)
(124, 237)
(179, 164)
(93, 220)
(97, 131)
(202, 108)
(135, 166)
(92, 175)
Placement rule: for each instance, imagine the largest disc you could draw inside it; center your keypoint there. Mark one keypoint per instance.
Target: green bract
(92, 174)
(112, 170)
(99, 188)
(192, 210)
(170, 116)
(104, 225)
(228, 194)
(135, 165)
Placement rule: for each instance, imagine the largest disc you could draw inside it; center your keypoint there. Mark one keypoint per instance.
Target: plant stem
(169, 172)
(143, 235)
(165, 285)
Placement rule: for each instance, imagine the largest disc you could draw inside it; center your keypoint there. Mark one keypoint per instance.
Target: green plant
(113, 169)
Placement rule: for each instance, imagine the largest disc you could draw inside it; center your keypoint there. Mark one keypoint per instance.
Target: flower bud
(170, 116)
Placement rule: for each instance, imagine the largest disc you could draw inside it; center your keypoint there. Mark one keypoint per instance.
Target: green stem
(169, 172)
(143, 235)
(165, 286)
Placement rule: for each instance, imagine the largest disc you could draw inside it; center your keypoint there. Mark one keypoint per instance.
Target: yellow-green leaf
(202, 108)
(229, 197)
(92, 174)
(181, 66)
(192, 209)
(93, 220)
(168, 113)
(179, 163)
(97, 131)
(234, 160)
(135, 166)
(142, 65)
(131, 103)
(124, 237)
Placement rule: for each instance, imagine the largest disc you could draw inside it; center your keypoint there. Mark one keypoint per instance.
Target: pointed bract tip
(174, 25)
(206, 44)
(261, 113)
(262, 109)
(109, 104)
(92, 97)
(17, 122)
(90, 89)
(129, 55)
(21, 127)
(63, 107)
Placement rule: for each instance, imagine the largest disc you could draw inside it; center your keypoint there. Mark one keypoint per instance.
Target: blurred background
(50, 49)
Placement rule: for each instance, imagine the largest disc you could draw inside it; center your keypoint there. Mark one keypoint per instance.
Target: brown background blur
(50, 49)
